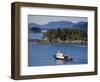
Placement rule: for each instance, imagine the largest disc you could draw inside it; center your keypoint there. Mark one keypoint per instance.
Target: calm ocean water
(43, 54)
(35, 35)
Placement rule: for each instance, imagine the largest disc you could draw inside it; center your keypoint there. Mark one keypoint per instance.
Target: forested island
(59, 32)
(65, 35)
(62, 35)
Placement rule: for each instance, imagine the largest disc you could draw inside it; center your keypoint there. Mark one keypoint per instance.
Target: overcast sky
(40, 19)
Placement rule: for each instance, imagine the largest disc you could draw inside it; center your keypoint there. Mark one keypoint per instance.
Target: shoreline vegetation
(36, 41)
(63, 35)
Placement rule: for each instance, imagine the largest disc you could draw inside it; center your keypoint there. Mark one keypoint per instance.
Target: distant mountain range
(81, 26)
(60, 24)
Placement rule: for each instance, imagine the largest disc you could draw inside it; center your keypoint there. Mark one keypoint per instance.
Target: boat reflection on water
(59, 62)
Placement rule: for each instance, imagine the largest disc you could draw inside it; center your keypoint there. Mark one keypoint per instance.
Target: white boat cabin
(59, 54)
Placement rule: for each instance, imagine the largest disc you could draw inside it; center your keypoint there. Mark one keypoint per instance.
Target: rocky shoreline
(57, 42)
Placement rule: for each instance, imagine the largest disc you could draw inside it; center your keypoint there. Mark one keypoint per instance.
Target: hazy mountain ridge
(61, 24)
(81, 25)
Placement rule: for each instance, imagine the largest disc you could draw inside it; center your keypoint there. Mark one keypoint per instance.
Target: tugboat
(60, 56)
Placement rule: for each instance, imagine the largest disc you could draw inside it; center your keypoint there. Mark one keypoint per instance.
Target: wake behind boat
(60, 56)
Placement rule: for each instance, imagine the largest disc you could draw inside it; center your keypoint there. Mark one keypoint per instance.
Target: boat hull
(65, 58)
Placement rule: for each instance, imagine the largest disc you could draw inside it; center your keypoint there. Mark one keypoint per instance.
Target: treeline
(65, 34)
(35, 30)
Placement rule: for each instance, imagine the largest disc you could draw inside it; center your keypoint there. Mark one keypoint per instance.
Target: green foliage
(65, 34)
